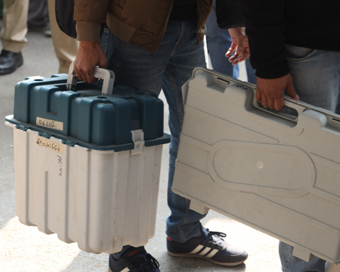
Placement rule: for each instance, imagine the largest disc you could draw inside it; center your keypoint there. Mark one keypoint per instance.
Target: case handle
(289, 104)
(107, 76)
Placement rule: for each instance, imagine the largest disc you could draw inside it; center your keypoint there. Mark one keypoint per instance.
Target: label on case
(49, 123)
(50, 145)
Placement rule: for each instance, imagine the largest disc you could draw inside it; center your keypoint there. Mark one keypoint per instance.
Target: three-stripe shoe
(211, 247)
(134, 260)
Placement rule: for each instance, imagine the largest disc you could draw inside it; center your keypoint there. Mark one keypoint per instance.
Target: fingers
(233, 59)
(271, 103)
(89, 55)
(76, 76)
(239, 58)
(291, 90)
(270, 92)
(239, 46)
(102, 62)
(279, 104)
(258, 94)
(264, 100)
(231, 49)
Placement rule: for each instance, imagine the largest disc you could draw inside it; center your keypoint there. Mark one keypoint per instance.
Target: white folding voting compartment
(276, 172)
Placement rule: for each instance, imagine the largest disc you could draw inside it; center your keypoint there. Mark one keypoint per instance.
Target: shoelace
(220, 236)
(149, 263)
(217, 233)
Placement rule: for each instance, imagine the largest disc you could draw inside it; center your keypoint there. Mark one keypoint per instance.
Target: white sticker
(49, 123)
(50, 145)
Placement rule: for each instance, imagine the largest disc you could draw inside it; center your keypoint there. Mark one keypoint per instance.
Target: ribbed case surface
(276, 172)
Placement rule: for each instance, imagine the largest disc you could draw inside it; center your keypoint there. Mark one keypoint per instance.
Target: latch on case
(69, 143)
(45, 135)
(18, 126)
(138, 140)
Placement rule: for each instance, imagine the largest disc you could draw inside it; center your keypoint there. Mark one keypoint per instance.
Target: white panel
(102, 200)
(273, 171)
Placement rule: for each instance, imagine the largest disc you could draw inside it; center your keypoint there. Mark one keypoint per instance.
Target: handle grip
(289, 104)
(107, 76)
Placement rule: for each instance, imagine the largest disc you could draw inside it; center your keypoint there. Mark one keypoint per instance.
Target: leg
(186, 236)
(65, 47)
(293, 264)
(144, 71)
(218, 43)
(13, 33)
(316, 76)
(170, 67)
(183, 223)
(37, 14)
(317, 81)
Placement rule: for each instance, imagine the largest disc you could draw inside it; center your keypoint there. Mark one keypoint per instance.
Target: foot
(48, 32)
(134, 260)
(10, 61)
(211, 247)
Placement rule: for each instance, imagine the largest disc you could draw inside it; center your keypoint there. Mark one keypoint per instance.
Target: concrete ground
(24, 248)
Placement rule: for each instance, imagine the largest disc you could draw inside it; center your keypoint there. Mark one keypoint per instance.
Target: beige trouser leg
(65, 47)
(13, 33)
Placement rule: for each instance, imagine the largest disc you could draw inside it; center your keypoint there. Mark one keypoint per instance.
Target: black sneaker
(210, 247)
(134, 260)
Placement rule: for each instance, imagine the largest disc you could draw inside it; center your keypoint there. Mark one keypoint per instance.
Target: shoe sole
(203, 258)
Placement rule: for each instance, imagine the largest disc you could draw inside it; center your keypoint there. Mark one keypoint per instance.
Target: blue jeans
(316, 75)
(218, 43)
(167, 69)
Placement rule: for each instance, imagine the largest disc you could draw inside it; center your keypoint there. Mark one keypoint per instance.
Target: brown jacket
(138, 22)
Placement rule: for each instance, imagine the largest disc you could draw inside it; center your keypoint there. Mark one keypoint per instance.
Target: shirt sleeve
(265, 27)
(90, 15)
(229, 13)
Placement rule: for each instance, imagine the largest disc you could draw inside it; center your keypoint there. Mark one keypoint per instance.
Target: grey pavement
(24, 248)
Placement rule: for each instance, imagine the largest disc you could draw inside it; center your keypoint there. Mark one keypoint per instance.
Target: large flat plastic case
(87, 165)
(278, 173)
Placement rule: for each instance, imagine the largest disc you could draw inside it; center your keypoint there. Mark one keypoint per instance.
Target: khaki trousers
(13, 33)
(65, 47)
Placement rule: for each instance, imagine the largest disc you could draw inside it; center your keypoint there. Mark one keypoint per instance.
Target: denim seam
(178, 104)
(106, 41)
(117, 62)
(181, 43)
(181, 233)
(177, 44)
(303, 58)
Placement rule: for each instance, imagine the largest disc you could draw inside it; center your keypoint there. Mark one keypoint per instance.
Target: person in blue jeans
(154, 46)
(289, 58)
(312, 70)
(218, 42)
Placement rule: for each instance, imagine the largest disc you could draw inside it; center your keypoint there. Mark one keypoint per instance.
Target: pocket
(105, 40)
(296, 53)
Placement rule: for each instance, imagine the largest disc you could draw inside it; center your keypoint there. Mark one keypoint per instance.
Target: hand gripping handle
(107, 76)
